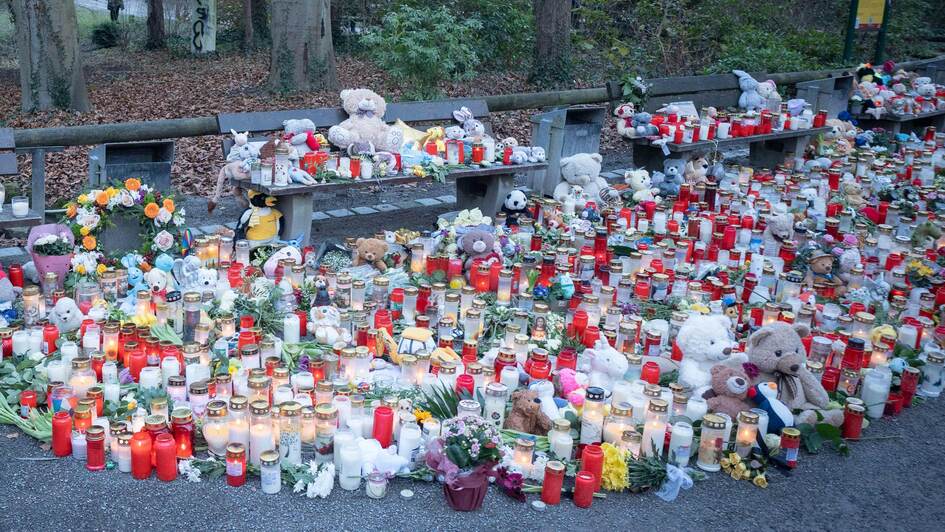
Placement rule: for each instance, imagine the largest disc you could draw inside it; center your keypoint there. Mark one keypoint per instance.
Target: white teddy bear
(582, 169)
(639, 181)
(66, 315)
(325, 325)
(705, 341)
(607, 365)
(750, 99)
(624, 113)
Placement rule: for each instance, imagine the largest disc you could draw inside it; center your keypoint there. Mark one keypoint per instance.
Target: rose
(163, 216)
(126, 199)
(163, 240)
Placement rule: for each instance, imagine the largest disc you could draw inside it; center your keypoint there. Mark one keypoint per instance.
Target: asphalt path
(892, 481)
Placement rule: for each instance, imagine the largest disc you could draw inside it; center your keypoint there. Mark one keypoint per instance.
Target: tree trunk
(552, 41)
(156, 37)
(48, 52)
(261, 21)
(302, 54)
(248, 43)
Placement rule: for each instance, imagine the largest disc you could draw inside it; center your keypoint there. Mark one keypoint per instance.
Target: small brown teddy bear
(820, 271)
(853, 194)
(778, 353)
(729, 392)
(371, 251)
(526, 415)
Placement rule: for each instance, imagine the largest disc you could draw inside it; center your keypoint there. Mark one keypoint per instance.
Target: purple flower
(124, 376)
(511, 483)
(304, 363)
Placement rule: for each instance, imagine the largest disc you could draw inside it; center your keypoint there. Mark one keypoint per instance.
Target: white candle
(90, 340)
(112, 392)
(343, 404)
(21, 343)
(509, 378)
(78, 445)
(124, 458)
(36, 340)
(659, 222)
(349, 476)
(409, 443)
(110, 372)
(696, 408)
(217, 436)
(680, 443)
(303, 399)
(239, 431)
(170, 366)
(21, 206)
(282, 394)
(55, 369)
(150, 378)
(343, 438)
(302, 380)
(260, 439)
(722, 130)
(290, 328)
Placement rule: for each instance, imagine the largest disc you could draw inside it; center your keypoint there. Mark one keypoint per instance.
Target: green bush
(109, 34)
(422, 46)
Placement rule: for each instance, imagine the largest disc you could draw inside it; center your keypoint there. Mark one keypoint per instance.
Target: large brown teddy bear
(729, 392)
(526, 415)
(778, 354)
(370, 251)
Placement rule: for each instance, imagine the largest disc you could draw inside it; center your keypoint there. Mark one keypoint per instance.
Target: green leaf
(458, 455)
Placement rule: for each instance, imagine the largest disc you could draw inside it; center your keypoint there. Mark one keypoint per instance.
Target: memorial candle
(141, 455)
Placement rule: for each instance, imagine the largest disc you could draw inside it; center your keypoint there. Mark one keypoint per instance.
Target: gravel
(891, 482)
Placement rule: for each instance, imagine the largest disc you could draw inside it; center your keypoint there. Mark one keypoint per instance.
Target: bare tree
(248, 43)
(156, 34)
(260, 20)
(552, 41)
(48, 52)
(302, 53)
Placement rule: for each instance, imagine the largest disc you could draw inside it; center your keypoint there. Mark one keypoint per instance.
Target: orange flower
(89, 242)
(169, 205)
(101, 198)
(151, 210)
(145, 267)
(71, 210)
(132, 184)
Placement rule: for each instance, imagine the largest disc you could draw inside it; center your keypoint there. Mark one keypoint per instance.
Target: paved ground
(893, 482)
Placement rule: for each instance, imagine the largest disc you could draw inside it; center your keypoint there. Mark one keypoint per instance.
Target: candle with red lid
(383, 425)
(584, 483)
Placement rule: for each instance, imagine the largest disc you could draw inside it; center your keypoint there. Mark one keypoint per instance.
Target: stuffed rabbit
(237, 166)
(750, 100)
(474, 129)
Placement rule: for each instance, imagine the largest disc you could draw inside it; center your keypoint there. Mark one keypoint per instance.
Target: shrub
(109, 34)
(421, 46)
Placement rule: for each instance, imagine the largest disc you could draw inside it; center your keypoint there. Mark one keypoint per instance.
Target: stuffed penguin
(514, 207)
(765, 395)
(260, 223)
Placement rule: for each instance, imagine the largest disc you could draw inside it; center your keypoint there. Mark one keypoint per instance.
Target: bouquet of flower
(466, 452)
(52, 245)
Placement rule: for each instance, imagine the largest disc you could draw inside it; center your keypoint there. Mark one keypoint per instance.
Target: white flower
(313, 468)
(299, 486)
(323, 483)
(163, 240)
(186, 468)
(126, 199)
(162, 217)
(48, 239)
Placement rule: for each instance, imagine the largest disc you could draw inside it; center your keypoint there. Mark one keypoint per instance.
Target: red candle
(95, 448)
(247, 322)
(830, 379)
(567, 358)
(591, 334)
(141, 455)
(650, 372)
(383, 425)
(853, 421)
(592, 461)
(382, 320)
(583, 489)
(507, 155)
(235, 464)
(62, 434)
(907, 385)
(16, 275)
(303, 322)
(183, 429)
(137, 360)
(554, 480)
(578, 324)
(50, 335)
(465, 383)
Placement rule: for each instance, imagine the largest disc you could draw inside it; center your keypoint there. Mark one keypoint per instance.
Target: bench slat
(888, 117)
(8, 164)
(6, 139)
(710, 144)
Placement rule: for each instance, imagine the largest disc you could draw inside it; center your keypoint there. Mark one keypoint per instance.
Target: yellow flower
(100, 269)
(760, 481)
(746, 475)
(141, 321)
(741, 467)
(734, 458)
(84, 230)
(83, 198)
(418, 171)
(80, 269)
(422, 415)
(725, 463)
(735, 475)
(111, 191)
(614, 476)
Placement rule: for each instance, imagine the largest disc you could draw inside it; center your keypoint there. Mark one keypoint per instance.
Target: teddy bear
(365, 122)
(697, 169)
(324, 324)
(728, 390)
(476, 243)
(750, 99)
(768, 91)
(66, 315)
(514, 207)
(624, 113)
(776, 354)
(237, 166)
(642, 126)
(779, 228)
(526, 414)
(820, 270)
(670, 179)
(639, 181)
(300, 134)
(207, 280)
(925, 96)
(370, 251)
(157, 281)
(853, 194)
(607, 365)
(705, 340)
(582, 169)
(572, 384)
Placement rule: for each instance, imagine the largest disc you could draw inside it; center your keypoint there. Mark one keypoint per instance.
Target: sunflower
(71, 210)
(168, 205)
(89, 242)
(132, 184)
(101, 198)
(151, 210)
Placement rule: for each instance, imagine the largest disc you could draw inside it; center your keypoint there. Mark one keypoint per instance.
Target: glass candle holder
(592, 417)
(747, 433)
(654, 427)
(711, 443)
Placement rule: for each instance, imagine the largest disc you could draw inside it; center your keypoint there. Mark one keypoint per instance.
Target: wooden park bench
(904, 123)
(482, 187)
(38, 196)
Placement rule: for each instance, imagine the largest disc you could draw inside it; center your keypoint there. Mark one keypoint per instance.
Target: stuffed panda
(514, 206)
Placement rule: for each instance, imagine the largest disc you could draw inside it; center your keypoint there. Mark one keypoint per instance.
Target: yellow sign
(869, 14)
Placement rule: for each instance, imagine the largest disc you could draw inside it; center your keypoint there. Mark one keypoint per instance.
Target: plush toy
(925, 97)
(624, 113)
(697, 169)
(324, 324)
(705, 341)
(639, 181)
(157, 281)
(582, 169)
(728, 390)
(642, 126)
(778, 355)
(670, 180)
(285, 252)
(768, 91)
(607, 364)
(514, 207)
(779, 227)
(546, 397)
(300, 133)
(260, 223)
(853, 194)
(414, 340)
(365, 122)
(473, 129)
(237, 166)
(370, 251)
(476, 243)
(526, 414)
(750, 99)
(66, 315)
(820, 270)
(765, 397)
(207, 279)
(572, 385)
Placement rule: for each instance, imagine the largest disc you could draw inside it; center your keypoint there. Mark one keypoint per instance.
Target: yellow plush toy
(260, 223)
